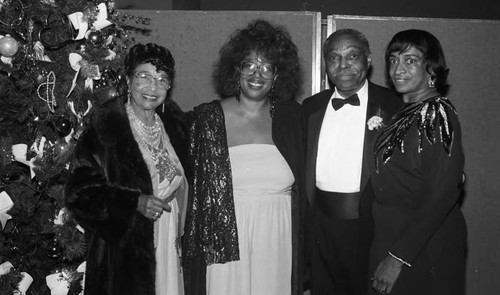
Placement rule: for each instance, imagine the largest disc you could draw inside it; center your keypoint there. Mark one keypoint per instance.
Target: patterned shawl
(211, 222)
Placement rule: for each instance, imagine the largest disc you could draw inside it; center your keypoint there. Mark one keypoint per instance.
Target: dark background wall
(194, 38)
(477, 9)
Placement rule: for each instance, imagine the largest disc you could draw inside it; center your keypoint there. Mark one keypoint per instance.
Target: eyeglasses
(267, 71)
(148, 79)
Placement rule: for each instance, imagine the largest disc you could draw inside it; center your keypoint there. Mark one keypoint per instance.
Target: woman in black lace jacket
(243, 224)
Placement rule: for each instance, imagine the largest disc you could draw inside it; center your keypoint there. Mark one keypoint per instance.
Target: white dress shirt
(340, 146)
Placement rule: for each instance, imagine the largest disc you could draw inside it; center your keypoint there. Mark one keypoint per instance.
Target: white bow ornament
(57, 283)
(60, 219)
(82, 268)
(24, 284)
(80, 115)
(90, 71)
(5, 205)
(19, 152)
(40, 52)
(5, 268)
(81, 24)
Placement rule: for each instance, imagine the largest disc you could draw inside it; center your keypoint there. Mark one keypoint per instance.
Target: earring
(237, 90)
(272, 108)
(431, 82)
(273, 99)
(163, 107)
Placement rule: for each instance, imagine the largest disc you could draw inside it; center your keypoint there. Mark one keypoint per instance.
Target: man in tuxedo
(342, 125)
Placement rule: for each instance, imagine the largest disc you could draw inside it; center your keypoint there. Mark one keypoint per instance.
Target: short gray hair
(350, 32)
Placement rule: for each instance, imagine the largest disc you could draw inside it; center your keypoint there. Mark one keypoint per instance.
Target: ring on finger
(157, 214)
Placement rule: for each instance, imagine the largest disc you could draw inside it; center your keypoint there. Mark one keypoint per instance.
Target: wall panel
(195, 37)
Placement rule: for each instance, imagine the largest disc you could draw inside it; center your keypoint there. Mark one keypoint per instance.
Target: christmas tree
(59, 60)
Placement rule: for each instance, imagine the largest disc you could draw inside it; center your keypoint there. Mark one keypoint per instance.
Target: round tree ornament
(63, 126)
(95, 38)
(8, 46)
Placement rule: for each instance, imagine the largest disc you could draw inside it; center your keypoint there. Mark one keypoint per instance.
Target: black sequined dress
(417, 189)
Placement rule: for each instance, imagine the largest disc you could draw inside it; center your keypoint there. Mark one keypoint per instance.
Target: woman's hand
(386, 274)
(152, 207)
(167, 188)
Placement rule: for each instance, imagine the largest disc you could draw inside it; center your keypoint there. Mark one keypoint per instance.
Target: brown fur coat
(108, 175)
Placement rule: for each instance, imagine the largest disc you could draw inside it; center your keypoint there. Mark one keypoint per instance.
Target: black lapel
(314, 122)
(373, 109)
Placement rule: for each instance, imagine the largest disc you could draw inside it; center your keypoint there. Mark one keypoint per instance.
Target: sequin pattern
(211, 222)
(429, 114)
(165, 167)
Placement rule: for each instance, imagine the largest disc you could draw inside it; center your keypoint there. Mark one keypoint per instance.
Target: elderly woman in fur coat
(127, 188)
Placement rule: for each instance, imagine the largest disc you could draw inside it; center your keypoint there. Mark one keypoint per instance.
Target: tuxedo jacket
(382, 102)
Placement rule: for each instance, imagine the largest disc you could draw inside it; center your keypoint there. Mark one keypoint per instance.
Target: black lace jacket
(210, 229)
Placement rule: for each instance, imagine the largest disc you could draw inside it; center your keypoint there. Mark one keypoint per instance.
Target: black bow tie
(337, 103)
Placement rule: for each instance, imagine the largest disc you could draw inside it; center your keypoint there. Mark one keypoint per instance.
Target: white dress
(262, 183)
(168, 228)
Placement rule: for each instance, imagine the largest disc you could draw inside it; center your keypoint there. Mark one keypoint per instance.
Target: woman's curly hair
(271, 42)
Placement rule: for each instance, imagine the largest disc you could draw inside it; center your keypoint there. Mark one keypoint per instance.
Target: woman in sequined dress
(420, 232)
(243, 228)
(127, 188)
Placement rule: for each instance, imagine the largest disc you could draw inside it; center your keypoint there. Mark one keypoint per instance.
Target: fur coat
(108, 175)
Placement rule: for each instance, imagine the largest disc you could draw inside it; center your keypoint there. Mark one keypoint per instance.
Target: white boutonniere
(375, 122)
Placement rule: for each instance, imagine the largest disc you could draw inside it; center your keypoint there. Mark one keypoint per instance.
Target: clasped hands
(152, 207)
(385, 275)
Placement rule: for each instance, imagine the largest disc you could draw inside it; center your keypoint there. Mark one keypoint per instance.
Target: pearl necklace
(150, 135)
